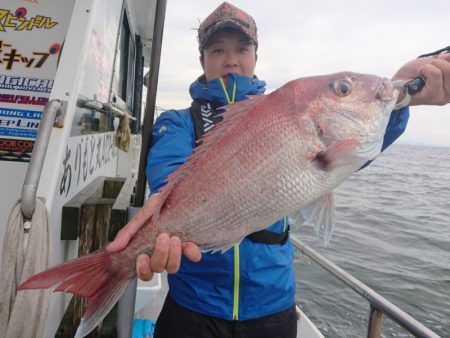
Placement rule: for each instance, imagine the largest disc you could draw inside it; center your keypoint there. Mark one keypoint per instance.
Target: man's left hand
(436, 71)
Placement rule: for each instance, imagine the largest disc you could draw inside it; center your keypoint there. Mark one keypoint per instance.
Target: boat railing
(378, 304)
(28, 198)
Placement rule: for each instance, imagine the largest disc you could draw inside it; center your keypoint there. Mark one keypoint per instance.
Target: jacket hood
(212, 91)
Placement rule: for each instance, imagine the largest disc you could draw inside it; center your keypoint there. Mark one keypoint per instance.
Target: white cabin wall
(85, 69)
(128, 162)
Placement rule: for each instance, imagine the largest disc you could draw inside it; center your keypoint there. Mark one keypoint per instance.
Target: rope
(24, 254)
(123, 133)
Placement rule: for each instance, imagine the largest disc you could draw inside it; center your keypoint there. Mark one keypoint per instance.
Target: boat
(76, 112)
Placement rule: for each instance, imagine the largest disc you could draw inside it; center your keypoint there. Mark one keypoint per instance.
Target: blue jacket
(250, 280)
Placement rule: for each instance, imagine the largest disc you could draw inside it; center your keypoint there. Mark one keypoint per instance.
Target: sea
(393, 234)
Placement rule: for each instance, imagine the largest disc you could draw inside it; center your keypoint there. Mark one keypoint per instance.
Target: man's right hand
(166, 256)
(167, 252)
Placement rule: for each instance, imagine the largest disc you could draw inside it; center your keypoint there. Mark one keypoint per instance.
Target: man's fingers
(437, 83)
(166, 255)
(434, 91)
(444, 66)
(192, 252)
(120, 242)
(158, 261)
(445, 56)
(143, 267)
(142, 215)
(128, 231)
(174, 260)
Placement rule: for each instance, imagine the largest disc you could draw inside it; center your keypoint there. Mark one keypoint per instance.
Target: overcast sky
(301, 38)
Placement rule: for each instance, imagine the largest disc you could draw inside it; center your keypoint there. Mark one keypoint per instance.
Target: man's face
(228, 51)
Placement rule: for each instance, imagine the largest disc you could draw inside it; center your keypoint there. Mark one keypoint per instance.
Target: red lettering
(25, 144)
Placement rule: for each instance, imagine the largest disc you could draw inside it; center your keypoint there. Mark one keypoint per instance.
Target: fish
(271, 155)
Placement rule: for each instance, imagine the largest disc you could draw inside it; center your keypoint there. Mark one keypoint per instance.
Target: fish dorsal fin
(232, 114)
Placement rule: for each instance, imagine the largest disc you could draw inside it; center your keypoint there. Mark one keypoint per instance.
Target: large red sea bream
(272, 155)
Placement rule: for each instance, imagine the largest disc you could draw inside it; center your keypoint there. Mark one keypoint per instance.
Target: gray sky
(301, 38)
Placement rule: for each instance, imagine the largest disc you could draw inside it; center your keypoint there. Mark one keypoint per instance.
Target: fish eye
(342, 88)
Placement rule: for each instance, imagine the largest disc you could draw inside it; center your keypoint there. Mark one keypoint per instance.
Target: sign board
(32, 37)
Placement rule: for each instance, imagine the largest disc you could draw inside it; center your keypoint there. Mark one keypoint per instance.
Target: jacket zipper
(236, 282)
(236, 247)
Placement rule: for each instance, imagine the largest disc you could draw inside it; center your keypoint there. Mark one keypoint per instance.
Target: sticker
(23, 99)
(15, 150)
(28, 84)
(10, 56)
(19, 123)
(18, 21)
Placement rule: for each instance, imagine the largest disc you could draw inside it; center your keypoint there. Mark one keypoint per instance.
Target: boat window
(127, 71)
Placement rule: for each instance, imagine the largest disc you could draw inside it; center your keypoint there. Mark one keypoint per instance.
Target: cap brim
(222, 25)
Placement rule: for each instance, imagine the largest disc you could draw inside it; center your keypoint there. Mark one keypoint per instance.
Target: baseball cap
(227, 16)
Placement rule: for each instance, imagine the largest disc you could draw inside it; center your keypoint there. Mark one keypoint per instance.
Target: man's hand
(166, 256)
(436, 71)
(167, 252)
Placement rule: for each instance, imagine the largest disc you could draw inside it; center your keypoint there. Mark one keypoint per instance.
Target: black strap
(440, 51)
(269, 237)
(204, 115)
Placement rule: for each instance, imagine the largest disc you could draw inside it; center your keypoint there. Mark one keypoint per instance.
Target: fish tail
(94, 277)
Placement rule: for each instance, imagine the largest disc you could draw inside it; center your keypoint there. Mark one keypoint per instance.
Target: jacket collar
(212, 91)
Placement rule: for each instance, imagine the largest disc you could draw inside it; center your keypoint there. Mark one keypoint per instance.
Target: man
(249, 290)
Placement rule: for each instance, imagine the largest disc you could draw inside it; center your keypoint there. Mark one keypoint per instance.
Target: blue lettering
(33, 125)
(29, 114)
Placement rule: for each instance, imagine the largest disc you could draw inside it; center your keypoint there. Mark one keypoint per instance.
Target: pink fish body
(272, 155)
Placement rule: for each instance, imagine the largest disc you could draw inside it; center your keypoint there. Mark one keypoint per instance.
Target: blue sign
(20, 113)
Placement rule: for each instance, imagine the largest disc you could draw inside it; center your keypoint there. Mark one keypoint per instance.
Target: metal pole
(33, 175)
(151, 100)
(375, 300)
(374, 327)
(126, 303)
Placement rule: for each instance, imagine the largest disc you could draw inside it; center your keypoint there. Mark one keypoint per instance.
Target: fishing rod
(152, 86)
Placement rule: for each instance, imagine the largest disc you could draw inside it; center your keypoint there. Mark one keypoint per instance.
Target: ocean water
(393, 234)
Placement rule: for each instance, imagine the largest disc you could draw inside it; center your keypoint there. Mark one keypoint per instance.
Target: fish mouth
(385, 90)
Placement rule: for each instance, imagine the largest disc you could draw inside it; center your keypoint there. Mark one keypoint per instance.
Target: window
(123, 81)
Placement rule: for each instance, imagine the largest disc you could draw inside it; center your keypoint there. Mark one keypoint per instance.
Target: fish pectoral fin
(337, 154)
(320, 214)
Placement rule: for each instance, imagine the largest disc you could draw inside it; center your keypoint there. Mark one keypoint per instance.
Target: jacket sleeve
(172, 144)
(396, 126)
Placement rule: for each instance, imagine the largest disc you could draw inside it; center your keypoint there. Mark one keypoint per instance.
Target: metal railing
(378, 304)
(28, 199)
(116, 110)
